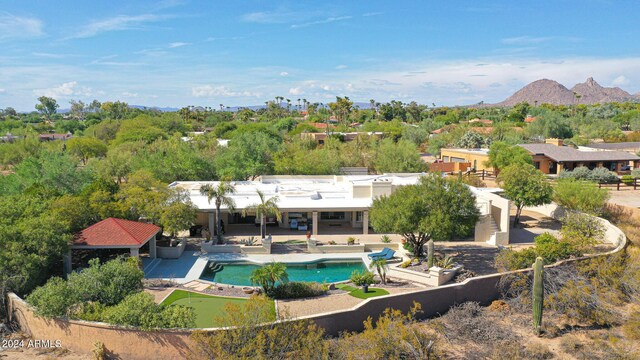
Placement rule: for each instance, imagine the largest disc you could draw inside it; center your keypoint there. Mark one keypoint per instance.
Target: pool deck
(191, 264)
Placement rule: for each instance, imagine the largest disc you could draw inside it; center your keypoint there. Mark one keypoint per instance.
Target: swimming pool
(239, 273)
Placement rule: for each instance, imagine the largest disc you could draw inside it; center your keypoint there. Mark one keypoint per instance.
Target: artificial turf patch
(373, 292)
(207, 307)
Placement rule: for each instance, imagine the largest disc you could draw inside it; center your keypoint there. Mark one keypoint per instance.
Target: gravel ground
(334, 301)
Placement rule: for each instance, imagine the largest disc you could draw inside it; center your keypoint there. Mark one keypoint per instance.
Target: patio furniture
(382, 254)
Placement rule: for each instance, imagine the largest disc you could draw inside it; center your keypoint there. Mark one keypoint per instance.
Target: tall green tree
(435, 208)
(263, 208)
(47, 106)
(86, 148)
(502, 155)
(525, 186)
(222, 196)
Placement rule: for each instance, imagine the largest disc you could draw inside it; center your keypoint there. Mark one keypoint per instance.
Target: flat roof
(300, 192)
(479, 151)
(566, 153)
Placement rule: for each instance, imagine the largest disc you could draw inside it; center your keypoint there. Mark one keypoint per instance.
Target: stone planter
(248, 290)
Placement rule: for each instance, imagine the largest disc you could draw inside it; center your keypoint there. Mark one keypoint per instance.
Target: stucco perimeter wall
(121, 343)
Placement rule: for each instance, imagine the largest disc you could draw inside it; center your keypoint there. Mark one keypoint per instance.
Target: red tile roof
(116, 232)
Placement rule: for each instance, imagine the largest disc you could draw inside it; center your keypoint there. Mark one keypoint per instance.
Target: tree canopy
(436, 208)
(525, 186)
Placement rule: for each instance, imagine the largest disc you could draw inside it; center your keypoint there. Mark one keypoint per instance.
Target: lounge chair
(382, 254)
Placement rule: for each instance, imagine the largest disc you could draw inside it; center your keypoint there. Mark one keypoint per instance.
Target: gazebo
(115, 233)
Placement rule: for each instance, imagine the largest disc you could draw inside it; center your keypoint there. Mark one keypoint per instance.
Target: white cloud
(116, 23)
(269, 17)
(296, 91)
(372, 14)
(223, 91)
(14, 27)
(130, 94)
(341, 67)
(106, 60)
(178, 44)
(318, 22)
(49, 55)
(532, 40)
(65, 90)
(2, 91)
(620, 80)
(284, 73)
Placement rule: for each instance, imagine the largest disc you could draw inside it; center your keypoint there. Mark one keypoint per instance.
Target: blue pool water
(240, 273)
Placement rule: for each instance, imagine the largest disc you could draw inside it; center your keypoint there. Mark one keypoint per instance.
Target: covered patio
(115, 234)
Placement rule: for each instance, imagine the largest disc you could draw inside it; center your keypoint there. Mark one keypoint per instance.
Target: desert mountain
(552, 92)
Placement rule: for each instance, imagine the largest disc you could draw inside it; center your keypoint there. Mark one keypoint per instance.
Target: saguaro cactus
(538, 294)
(429, 254)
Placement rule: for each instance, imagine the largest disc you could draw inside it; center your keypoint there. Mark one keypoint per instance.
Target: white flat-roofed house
(329, 203)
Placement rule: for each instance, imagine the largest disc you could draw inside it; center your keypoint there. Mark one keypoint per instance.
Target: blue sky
(180, 52)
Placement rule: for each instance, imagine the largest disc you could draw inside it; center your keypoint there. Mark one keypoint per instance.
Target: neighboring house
(320, 138)
(332, 203)
(530, 119)
(630, 147)
(475, 157)
(551, 157)
(52, 137)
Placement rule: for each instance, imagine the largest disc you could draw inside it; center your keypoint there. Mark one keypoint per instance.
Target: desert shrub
(244, 339)
(635, 173)
(107, 284)
(463, 275)
(581, 231)
(631, 328)
(579, 173)
(408, 246)
(470, 322)
(627, 179)
(298, 289)
(602, 175)
(473, 181)
(580, 195)
(538, 351)
(53, 299)
(141, 311)
(385, 239)
(393, 335)
(546, 246)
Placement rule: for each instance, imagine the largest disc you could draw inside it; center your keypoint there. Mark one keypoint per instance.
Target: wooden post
(483, 174)
(619, 185)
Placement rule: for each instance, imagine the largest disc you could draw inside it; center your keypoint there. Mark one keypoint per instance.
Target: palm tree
(221, 195)
(380, 265)
(268, 275)
(262, 209)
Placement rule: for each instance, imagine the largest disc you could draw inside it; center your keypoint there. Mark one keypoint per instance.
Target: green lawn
(207, 307)
(357, 292)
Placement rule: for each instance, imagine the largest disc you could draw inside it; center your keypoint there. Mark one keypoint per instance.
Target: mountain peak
(592, 83)
(551, 92)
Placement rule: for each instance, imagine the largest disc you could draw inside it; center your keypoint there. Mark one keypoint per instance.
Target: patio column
(314, 219)
(66, 259)
(152, 247)
(365, 222)
(135, 252)
(285, 220)
(354, 215)
(212, 224)
(559, 168)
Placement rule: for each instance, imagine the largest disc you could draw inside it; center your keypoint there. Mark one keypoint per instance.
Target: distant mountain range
(551, 92)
